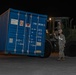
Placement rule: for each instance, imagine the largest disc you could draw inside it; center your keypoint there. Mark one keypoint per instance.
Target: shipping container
(22, 32)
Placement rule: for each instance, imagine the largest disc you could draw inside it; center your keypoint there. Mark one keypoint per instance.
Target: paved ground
(24, 65)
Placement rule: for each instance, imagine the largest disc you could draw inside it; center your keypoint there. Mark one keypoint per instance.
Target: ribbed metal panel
(22, 32)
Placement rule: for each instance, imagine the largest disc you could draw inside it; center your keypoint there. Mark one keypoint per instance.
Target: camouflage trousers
(61, 52)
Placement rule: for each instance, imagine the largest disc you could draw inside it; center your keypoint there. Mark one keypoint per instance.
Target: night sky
(47, 7)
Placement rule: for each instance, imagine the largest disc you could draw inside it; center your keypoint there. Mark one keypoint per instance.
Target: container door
(26, 33)
(16, 33)
(12, 32)
(35, 27)
(40, 42)
(20, 34)
(33, 34)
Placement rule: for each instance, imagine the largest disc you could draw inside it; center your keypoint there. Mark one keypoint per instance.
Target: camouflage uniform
(61, 42)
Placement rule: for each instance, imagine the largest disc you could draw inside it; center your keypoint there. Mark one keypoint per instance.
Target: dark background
(54, 8)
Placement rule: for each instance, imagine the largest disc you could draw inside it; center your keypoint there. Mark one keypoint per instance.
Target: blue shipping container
(22, 32)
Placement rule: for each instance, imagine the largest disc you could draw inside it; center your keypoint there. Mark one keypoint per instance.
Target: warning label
(38, 43)
(14, 21)
(27, 25)
(10, 40)
(21, 22)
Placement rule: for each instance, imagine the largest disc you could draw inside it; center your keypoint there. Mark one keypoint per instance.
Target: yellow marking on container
(37, 51)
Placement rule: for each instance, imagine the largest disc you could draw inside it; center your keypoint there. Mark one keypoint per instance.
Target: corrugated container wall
(22, 32)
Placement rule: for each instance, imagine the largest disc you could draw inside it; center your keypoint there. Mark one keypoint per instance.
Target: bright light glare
(49, 19)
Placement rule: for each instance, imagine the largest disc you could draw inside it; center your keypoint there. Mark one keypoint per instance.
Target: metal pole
(53, 26)
(49, 27)
(71, 25)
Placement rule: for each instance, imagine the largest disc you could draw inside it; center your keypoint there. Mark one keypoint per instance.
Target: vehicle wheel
(70, 49)
(48, 48)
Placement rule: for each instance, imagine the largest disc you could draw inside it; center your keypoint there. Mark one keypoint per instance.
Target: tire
(70, 49)
(48, 49)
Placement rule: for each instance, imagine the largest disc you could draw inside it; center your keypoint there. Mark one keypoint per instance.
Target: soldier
(61, 43)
